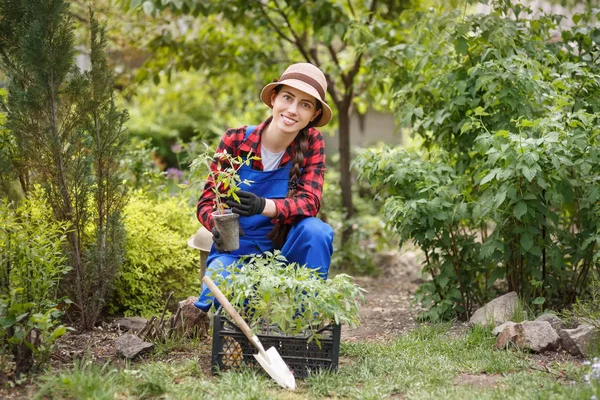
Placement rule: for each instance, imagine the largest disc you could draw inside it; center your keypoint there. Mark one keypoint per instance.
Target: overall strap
(249, 130)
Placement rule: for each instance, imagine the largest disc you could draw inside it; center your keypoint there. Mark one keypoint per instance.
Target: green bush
(368, 233)
(31, 265)
(157, 259)
(506, 187)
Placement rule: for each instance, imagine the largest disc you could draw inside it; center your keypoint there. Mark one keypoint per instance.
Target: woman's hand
(218, 240)
(249, 204)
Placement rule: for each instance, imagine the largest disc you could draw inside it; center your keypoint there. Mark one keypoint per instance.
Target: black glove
(249, 204)
(218, 241)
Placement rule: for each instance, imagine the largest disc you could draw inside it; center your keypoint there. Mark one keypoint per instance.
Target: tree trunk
(344, 148)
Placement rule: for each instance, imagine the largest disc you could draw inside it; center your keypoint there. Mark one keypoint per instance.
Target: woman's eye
(306, 105)
(287, 97)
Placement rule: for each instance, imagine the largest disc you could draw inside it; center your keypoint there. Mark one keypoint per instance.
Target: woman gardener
(278, 209)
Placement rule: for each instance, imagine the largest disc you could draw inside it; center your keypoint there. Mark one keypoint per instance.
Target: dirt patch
(388, 312)
(481, 380)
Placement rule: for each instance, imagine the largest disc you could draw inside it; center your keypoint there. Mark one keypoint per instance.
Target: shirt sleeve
(307, 201)
(205, 206)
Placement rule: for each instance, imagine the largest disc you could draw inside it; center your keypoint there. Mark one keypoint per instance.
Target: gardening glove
(249, 204)
(218, 241)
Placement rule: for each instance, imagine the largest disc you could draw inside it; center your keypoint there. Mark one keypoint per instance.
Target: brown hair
(280, 231)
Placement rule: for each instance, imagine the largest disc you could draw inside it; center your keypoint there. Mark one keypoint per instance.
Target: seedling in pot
(224, 181)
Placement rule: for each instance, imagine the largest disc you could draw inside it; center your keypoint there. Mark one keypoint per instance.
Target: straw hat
(307, 78)
(201, 240)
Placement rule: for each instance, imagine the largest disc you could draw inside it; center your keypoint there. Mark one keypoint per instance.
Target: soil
(387, 313)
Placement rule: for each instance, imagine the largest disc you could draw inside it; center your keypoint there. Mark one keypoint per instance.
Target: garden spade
(270, 360)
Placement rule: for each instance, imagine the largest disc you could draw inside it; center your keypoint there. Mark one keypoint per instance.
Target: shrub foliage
(506, 187)
(31, 267)
(157, 258)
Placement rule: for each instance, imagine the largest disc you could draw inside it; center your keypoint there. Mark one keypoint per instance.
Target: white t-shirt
(270, 160)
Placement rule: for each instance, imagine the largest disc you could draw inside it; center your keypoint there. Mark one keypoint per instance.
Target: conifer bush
(67, 135)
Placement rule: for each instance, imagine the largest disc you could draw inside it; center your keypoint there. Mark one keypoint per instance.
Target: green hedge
(157, 259)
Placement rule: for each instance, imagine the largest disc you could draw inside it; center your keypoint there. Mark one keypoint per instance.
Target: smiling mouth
(288, 120)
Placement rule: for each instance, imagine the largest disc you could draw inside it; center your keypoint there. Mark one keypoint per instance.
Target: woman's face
(293, 109)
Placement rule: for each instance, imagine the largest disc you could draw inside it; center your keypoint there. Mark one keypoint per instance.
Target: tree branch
(270, 21)
(351, 8)
(299, 42)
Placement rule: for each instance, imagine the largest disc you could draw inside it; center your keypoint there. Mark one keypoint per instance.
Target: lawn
(430, 362)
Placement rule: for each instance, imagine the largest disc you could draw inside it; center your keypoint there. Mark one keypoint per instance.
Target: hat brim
(265, 96)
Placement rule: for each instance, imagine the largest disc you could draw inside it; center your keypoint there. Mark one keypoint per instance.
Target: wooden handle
(237, 318)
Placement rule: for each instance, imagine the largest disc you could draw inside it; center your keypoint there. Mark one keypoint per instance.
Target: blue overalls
(309, 241)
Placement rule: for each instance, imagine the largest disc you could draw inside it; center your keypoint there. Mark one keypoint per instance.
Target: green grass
(425, 364)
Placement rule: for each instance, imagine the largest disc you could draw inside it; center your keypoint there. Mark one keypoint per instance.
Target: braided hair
(280, 231)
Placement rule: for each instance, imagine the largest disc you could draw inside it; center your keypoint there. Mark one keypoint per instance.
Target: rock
(131, 346)
(579, 341)
(538, 336)
(131, 323)
(508, 335)
(191, 320)
(497, 311)
(556, 323)
(498, 330)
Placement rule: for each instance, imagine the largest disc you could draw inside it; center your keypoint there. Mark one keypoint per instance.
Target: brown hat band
(306, 79)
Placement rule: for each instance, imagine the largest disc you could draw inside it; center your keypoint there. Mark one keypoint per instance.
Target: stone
(191, 320)
(498, 330)
(579, 341)
(538, 336)
(556, 323)
(131, 323)
(131, 346)
(508, 335)
(497, 311)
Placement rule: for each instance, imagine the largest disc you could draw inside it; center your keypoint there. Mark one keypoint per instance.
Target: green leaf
(480, 111)
(528, 173)
(497, 273)
(443, 281)
(461, 45)
(148, 7)
(58, 332)
(526, 240)
(491, 175)
(7, 321)
(520, 210)
(538, 301)
(499, 198)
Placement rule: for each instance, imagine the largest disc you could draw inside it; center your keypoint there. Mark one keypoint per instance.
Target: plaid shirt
(307, 201)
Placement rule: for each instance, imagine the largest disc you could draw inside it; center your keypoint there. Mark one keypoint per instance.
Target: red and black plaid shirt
(307, 201)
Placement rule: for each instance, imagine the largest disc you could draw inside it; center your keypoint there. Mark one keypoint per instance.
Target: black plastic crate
(231, 349)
